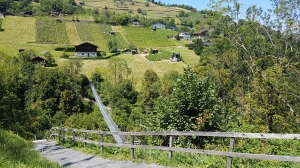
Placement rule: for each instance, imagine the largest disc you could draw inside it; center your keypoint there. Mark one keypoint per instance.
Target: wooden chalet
(175, 57)
(134, 52)
(135, 22)
(21, 49)
(56, 14)
(154, 51)
(39, 60)
(200, 34)
(86, 50)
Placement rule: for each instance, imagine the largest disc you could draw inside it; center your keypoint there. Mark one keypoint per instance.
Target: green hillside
(17, 152)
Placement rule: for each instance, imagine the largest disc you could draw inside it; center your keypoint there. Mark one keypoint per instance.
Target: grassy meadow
(138, 63)
(44, 34)
(17, 152)
(18, 30)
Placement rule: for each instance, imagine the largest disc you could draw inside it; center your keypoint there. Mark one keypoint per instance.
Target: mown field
(146, 38)
(18, 30)
(193, 17)
(139, 64)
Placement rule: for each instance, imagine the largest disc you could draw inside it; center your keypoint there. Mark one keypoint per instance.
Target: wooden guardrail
(232, 135)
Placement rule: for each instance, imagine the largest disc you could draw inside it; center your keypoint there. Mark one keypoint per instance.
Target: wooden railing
(61, 132)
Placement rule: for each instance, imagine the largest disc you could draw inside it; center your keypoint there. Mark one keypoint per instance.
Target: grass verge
(17, 152)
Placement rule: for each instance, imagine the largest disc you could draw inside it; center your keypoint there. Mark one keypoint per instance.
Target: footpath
(67, 157)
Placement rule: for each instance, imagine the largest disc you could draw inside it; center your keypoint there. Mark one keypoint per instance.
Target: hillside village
(157, 67)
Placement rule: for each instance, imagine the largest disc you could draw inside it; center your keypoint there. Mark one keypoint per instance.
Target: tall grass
(1, 23)
(17, 152)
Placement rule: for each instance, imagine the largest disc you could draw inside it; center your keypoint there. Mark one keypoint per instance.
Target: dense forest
(247, 80)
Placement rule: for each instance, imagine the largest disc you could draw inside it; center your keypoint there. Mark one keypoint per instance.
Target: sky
(202, 4)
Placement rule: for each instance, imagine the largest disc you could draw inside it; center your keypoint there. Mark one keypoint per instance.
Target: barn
(39, 60)
(86, 50)
(175, 57)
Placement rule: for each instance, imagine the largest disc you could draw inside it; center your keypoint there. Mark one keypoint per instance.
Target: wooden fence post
(101, 142)
(84, 137)
(171, 145)
(59, 134)
(132, 149)
(64, 136)
(231, 149)
(73, 138)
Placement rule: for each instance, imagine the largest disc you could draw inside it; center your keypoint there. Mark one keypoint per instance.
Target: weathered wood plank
(211, 152)
(208, 134)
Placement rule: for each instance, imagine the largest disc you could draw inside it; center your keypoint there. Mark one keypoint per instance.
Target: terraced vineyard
(46, 30)
(62, 37)
(118, 38)
(100, 41)
(84, 31)
(72, 33)
(146, 38)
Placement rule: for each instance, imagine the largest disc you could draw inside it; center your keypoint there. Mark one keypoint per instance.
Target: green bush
(65, 49)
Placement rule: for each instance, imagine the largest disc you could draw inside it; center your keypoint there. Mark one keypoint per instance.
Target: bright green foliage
(192, 106)
(198, 46)
(145, 37)
(260, 73)
(46, 30)
(49, 58)
(84, 32)
(162, 55)
(150, 91)
(16, 152)
(120, 69)
(112, 46)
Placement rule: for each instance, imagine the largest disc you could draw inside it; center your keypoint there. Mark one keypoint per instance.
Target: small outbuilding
(176, 57)
(21, 49)
(200, 34)
(39, 60)
(154, 51)
(112, 33)
(86, 50)
(135, 22)
(134, 52)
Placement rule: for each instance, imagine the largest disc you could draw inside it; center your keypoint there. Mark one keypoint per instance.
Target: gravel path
(67, 157)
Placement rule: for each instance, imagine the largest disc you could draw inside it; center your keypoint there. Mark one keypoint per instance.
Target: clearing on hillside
(18, 30)
(139, 64)
(146, 38)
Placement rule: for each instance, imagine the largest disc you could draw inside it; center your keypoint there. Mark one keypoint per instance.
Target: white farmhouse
(185, 35)
(86, 50)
